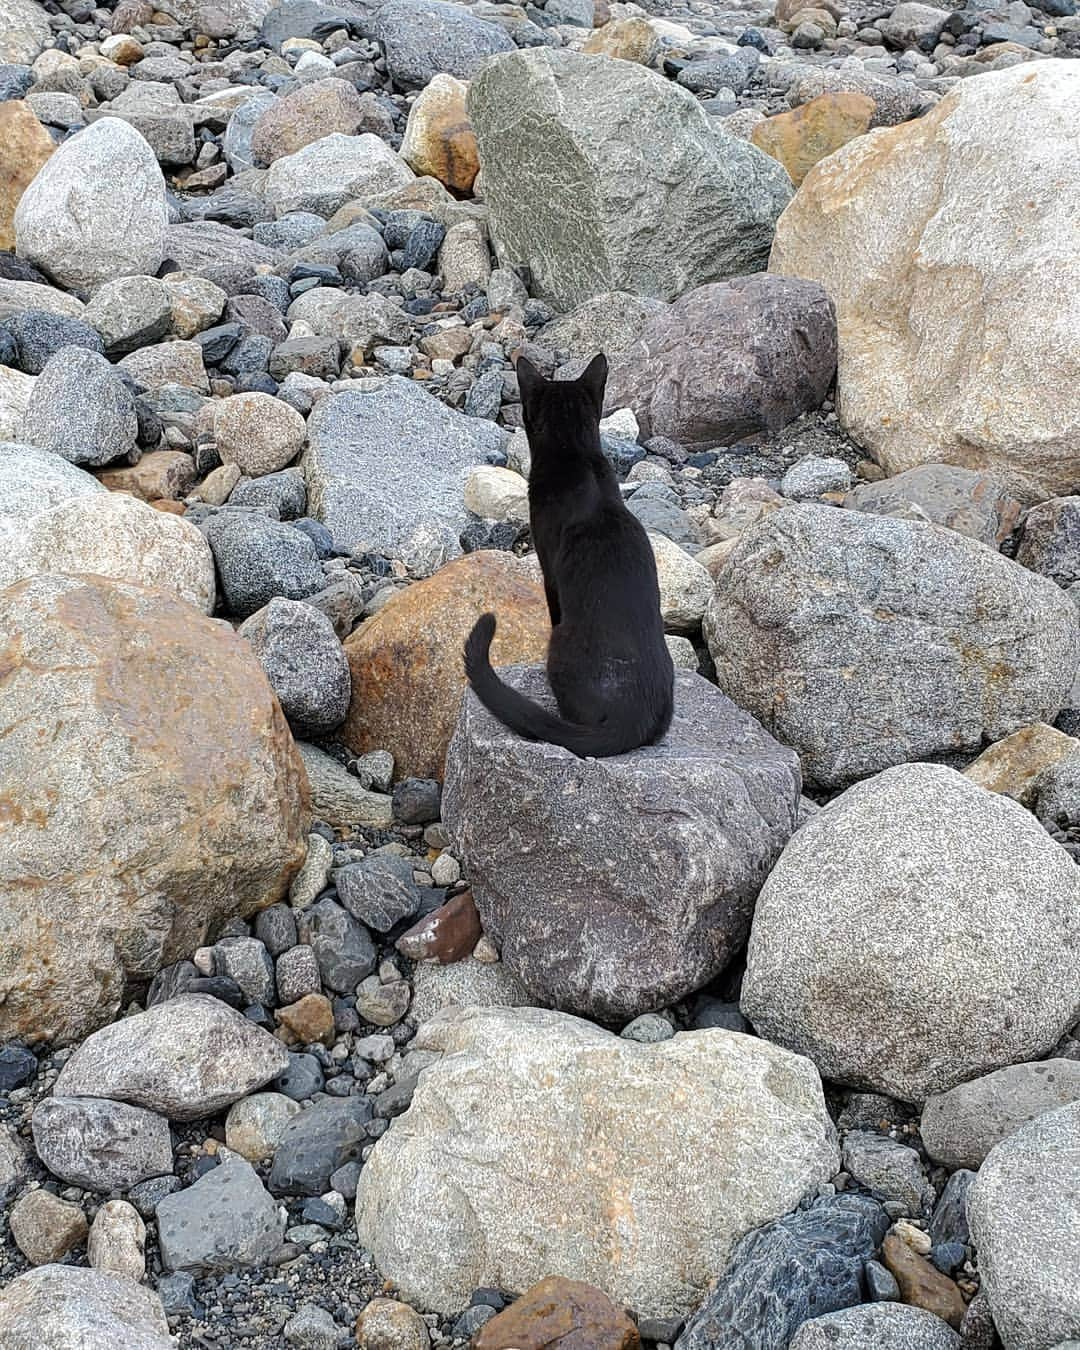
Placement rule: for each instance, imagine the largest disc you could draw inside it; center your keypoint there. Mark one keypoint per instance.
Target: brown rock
(798, 139)
(447, 934)
(447, 344)
(25, 145)
(308, 1020)
(439, 140)
(386, 1324)
(169, 507)
(406, 664)
(306, 115)
(130, 14)
(564, 1313)
(168, 474)
(921, 1284)
(786, 10)
(1012, 766)
(149, 790)
(632, 39)
(45, 1228)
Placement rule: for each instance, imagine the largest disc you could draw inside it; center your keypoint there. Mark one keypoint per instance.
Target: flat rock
(464, 984)
(101, 1145)
(585, 1155)
(225, 1220)
(974, 503)
(63, 1307)
(876, 1326)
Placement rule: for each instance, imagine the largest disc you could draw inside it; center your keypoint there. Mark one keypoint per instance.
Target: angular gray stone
(889, 1169)
(157, 114)
(342, 945)
(865, 641)
(1024, 1212)
(285, 492)
(81, 409)
(782, 1275)
(246, 960)
(385, 471)
(316, 1143)
(1058, 789)
(727, 360)
(186, 1058)
(425, 38)
(101, 1145)
(973, 503)
(324, 175)
(130, 312)
(380, 892)
(259, 559)
(33, 480)
(96, 210)
(912, 24)
(815, 475)
(585, 1167)
(877, 1326)
(304, 662)
(14, 1162)
(1051, 541)
(949, 1223)
(894, 100)
(880, 937)
(608, 322)
(614, 929)
(602, 175)
(226, 1219)
(961, 1126)
(236, 143)
(464, 984)
(338, 797)
(72, 1308)
(205, 248)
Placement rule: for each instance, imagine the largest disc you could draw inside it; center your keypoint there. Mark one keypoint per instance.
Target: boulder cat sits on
(608, 664)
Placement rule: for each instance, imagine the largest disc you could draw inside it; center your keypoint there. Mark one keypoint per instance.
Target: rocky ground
(283, 921)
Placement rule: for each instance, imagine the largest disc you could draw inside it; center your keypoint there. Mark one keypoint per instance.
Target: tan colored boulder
(632, 39)
(903, 227)
(439, 140)
(307, 114)
(406, 662)
(162, 474)
(25, 145)
(149, 790)
(802, 137)
(1014, 765)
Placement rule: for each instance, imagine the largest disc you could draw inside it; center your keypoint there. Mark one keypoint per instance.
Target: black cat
(608, 664)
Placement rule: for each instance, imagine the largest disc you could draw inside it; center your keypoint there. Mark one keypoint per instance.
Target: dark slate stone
(315, 1143)
(423, 244)
(284, 491)
(949, 1223)
(310, 19)
(480, 534)
(147, 1195)
(417, 801)
(39, 334)
(342, 945)
(177, 1294)
(249, 356)
(17, 1067)
(485, 397)
(14, 82)
(392, 1101)
(301, 1080)
(319, 535)
(379, 891)
(218, 342)
(274, 290)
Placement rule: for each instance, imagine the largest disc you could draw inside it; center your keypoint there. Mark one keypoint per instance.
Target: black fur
(608, 664)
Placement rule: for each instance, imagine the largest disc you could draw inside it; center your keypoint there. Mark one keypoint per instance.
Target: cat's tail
(526, 718)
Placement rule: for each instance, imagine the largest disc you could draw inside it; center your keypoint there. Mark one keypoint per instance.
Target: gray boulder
(157, 114)
(315, 1143)
(889, 1169)
(973, 503)
(101, 1145)
(206, 248)
(323, 175)
(866, 641)
(782, 1275)
(81, 409)
(33, 480)
(729, 359)
(385, 471)
(259, 559)
(912, 24)
(961, 1126)
(1024, 1212)
(226, 1219)
(425, 38)
(613, 929)
(1051, 540)
(130, 312)
(880, 936)
(284, 492)
(608, 322)
(96, 209)
(304, 662)
(380, 892)
(186, 1058)
(877, 1326)
(601, 175)
(236, 143)
(67, 1307)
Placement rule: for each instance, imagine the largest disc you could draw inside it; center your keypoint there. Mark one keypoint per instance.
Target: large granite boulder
(633, 1167)
(1024, 1212)
(69, 1306)
(603, 176)
(866, 641)
(426, 38)
(385, 471)
(615, 886)
(728, 359)
(33, 480)
(81, 408)
(24, 32)
(895, 918)
(152, 790)
(901, 229)
(324, 174)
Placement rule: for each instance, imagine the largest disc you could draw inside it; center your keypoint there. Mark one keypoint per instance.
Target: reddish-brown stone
(921, 1284)
(447, 934)
(564, 1313)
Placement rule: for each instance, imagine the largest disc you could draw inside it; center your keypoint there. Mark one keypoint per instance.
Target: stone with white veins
(96, 210)
(915, 933)
(185, 1058)
(101, 1145)
(632, 1167)
(71, 1308)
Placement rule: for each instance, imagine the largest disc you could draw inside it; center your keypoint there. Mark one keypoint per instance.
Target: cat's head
(562, 408)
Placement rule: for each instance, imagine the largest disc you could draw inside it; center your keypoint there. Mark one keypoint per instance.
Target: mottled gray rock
(338, 797)
(974, 503)
(361, 321)
(168, 363)
(585, 1150)
(24, 32)
(33, 480)
(880, 936)
(312, 1328)
(815, 475)
(380, 891)
(1024, 1212)
(101, 1145)
(284, 492)
(226, 1219)
(949, 1223)
(304, 662)
(894, 100)
(877, 1326)
(1051, 541)
(385, 471)
(702, 816)
(246, 961)
(889, 1169)
(865, 641)
(186, 1058)
(155, 111)
(464, 984)
(38, 334)
(912, 24)
(81, 409)
(727, 360)
(236, 143)
(324, 175)
(205, 248)
(608, 322)
(316, 1143)
(96, 209)
(130, 312)
(601, 176)
(14, 1162)
(297, 974)
(342, 946)
(1058, 789)
(424, 38)
(70, 1307)
(259, 559)
(780, 1276)
(961, 1126)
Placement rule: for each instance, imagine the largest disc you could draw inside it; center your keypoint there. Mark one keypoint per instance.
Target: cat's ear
(529, 378)
(594, 377)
